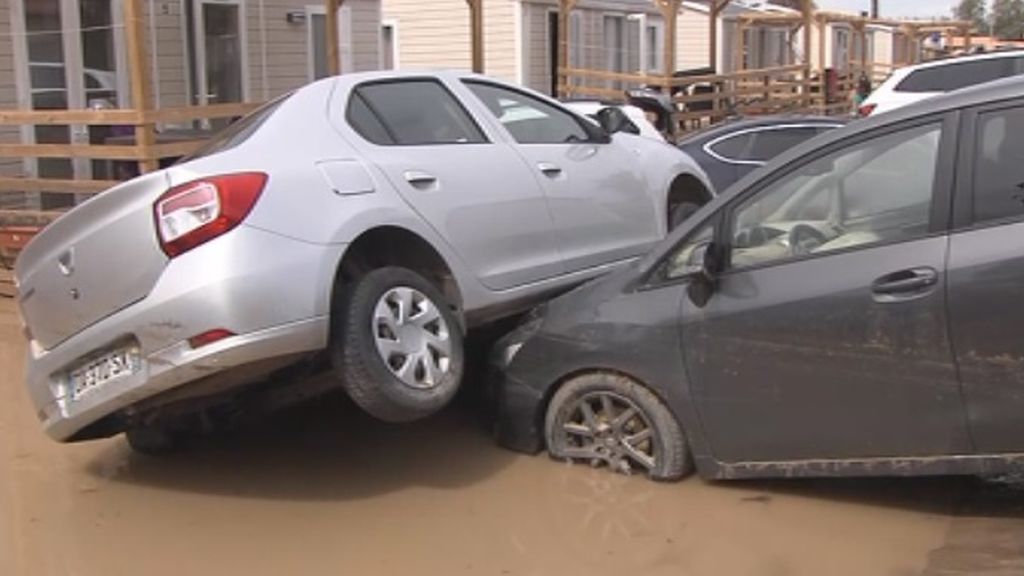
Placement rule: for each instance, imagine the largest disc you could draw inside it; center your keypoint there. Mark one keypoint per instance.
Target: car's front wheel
(605, 419)
(397, 346)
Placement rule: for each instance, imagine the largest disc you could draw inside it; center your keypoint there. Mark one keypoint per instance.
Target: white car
(915, 83)
(364, 221)
(637, 117)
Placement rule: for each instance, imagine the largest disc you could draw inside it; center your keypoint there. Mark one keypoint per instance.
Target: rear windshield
(956, 75)
(238, 131)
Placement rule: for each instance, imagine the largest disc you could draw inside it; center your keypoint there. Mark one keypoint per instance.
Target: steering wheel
(804, 239)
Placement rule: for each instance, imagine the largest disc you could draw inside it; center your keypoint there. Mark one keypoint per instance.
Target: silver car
(362, 223)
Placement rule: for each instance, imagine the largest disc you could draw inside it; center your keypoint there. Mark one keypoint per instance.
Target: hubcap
(412, 338)
(604, 428)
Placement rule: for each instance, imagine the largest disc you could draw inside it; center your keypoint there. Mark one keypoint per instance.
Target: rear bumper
(272, 292)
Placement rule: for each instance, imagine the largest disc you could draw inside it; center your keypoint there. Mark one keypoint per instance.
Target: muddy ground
(325, 490)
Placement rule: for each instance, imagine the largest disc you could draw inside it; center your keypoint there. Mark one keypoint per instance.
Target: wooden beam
(565, 8)
(61, 117)
(670, 15)
(53, 185)
(138, 70)
(112, 152)
(332, 36)
(714, 11)
(476, 33)
(185, 113)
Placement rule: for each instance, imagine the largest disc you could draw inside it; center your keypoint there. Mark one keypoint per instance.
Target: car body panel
(64, 275)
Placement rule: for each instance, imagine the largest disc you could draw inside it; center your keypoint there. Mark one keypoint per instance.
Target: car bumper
(272, 293)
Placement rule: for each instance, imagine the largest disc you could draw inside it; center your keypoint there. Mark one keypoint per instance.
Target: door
(599, 203)
(72, 55)
(218, 53)
(316, 40)
(986, 273)
(826, 335)
(473, 189)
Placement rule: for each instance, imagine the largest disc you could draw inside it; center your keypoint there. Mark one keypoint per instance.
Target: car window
(411, 112)
(732, 147)
(957, 75)
(682, 259)
(528, 119)
(768, 144)
(999, 165)
(876, 191)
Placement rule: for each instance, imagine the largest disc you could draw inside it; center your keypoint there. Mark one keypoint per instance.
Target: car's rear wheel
(397, 346)
(605, 419)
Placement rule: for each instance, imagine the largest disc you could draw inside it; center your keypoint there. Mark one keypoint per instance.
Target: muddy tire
(680, 213)
(604, 419)
(397, 346)
(154, 440)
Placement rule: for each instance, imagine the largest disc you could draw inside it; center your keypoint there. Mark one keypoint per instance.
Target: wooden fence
(145, 151)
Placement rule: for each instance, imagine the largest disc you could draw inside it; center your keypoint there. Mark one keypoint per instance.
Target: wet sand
(326, 490)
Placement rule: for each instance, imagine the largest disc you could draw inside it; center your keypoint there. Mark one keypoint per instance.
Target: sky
(894, 8)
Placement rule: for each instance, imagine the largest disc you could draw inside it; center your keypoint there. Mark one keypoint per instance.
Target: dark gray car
(853, 308)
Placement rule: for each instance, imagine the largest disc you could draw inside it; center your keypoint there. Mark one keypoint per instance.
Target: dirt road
(324, 490)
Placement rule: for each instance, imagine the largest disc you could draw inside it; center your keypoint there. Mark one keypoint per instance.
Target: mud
(325, 490)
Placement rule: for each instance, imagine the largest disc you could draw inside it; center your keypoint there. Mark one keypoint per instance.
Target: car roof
(747, 123)
(965, 58)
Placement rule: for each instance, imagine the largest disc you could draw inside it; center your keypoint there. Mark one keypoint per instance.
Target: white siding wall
(883, 46)
(431, 34)
(692, 38)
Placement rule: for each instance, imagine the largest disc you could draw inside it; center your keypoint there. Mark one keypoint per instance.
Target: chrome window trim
(709, 147)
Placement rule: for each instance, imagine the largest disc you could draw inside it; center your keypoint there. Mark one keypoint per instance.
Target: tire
(680, 212)
(375, 345)
(602, 442)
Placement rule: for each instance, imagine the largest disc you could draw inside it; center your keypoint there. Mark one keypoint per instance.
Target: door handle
(905, 282)
(549, 169)
(420, 179)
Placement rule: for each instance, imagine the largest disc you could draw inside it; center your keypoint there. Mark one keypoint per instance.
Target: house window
(615, 43)
(389, 45)
(654, 44)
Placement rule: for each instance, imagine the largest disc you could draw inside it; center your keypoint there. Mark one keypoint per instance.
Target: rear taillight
(199, 211)
(866, 110)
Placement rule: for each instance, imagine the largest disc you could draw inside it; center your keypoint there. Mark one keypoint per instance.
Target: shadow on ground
(327, 451)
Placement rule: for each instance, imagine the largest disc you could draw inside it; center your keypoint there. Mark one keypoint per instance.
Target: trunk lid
(91, 262)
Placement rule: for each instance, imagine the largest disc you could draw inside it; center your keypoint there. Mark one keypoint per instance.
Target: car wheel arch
(390, 245)
(685, 188)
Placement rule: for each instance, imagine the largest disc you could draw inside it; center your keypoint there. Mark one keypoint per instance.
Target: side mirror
(613, 120)
(702, 268)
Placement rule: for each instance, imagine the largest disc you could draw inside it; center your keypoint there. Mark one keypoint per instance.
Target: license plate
(111, 366)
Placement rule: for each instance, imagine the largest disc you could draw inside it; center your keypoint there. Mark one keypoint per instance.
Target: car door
(600, 201)
(826, 335)
(986, 276)
(471, 187)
